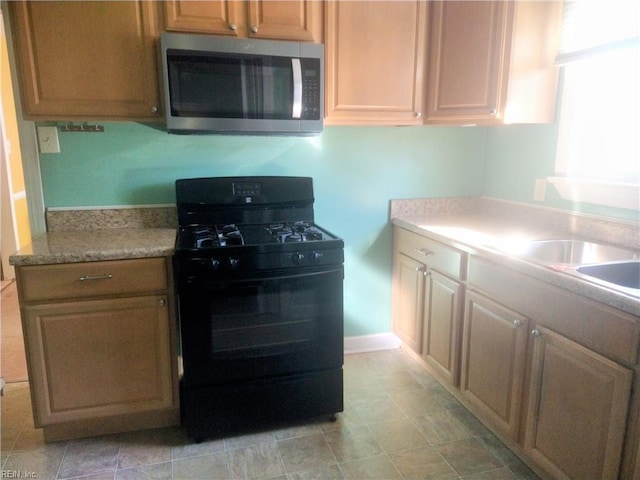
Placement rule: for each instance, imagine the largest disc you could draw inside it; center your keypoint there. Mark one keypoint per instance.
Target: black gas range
(259, 289)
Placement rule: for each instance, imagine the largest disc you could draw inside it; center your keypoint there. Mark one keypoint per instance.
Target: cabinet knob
(254, 29)
(162, 302)
(417, 114)
(233, 26)
(517, 323)
(154, 109)
(494, 113)
(535, 332)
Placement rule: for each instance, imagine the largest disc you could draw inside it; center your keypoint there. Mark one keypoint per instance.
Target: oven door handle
(201, 282)
(265, 351)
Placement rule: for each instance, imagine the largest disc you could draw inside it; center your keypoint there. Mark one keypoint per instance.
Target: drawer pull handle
(96, 277)
(424, 251)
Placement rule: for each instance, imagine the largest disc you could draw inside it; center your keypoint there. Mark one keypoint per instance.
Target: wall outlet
(540, 189)
(48, 140)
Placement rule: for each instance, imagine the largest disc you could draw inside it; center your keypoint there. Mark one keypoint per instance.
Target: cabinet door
(83, 60)
(299, 20)
(577, 413)
(441, 325)
(466, 61)
(375, 55)
(408, 298)
(99, 358)
(494, 348)
(221, 17)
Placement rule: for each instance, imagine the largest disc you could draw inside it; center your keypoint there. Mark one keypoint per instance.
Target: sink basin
(574, 252)
(624, 274)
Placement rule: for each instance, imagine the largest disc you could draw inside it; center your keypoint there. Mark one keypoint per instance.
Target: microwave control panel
(311, 87)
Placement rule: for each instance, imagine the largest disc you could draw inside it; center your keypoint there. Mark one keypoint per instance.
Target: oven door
(272, 325)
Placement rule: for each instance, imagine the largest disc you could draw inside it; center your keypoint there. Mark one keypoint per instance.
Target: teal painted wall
(356, 171)
(516, 155)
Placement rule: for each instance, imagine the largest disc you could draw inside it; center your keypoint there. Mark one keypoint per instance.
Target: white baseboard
(371, 343)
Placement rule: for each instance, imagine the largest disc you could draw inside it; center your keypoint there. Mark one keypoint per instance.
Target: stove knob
(315, 257)
(297, 258)
(233, 263)
(214, 264)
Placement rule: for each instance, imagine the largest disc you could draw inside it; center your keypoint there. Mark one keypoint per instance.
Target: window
(598, 157)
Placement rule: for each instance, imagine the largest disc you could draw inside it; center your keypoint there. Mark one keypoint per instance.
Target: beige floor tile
(372, 468)
(330, 472)
(90, 456)
(305, 453)
(398, 435)
(499, 474)
(161, 471)
(256, 462)
(372, 411)
(35, 464)
(442, 426)
(212, 466)
(468, 456)
(422, 463)
(353, 443)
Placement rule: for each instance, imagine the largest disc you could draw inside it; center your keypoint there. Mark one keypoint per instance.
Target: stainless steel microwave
(241, 86)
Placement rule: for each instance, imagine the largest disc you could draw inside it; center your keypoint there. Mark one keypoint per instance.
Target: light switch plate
(48, 140)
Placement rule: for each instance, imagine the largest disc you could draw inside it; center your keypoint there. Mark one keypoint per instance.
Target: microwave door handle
(297, 88)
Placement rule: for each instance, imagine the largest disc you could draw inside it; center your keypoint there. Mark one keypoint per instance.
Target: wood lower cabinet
(100, 341)
(441, 337)
(578, 415)
(375, 55)
(86, 60)
(492, 62)
(494, 347)
(299, 20)
(408, 300)
(427, 301)
(578, 406)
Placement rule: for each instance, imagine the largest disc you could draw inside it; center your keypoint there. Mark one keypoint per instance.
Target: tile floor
(13, 364)
(399, 423)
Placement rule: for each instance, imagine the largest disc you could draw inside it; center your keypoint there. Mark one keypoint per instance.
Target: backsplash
(98, 218)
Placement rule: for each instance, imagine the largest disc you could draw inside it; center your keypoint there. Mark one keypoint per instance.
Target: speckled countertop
(475, 227)
(70, 246)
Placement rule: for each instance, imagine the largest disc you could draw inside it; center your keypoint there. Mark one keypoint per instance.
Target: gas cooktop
(200, 237)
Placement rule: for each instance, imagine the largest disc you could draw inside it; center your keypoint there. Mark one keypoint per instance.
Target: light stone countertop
(71, 246)
(489, 237)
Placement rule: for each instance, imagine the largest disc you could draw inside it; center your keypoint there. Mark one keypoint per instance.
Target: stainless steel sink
(574, 252)
(623, 274)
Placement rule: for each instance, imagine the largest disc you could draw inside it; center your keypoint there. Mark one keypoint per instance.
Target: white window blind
(593, 27)
(598, 156)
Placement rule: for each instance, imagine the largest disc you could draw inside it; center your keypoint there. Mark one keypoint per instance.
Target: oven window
(230, 86)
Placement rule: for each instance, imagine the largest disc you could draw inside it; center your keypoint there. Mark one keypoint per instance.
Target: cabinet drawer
(88, 279)
(434, 254)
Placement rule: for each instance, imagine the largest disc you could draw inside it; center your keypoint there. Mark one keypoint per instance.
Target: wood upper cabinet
(375, 55)
(492, 62)
(86, 60)
(494, 348)
(578, 405)
(299, 20)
